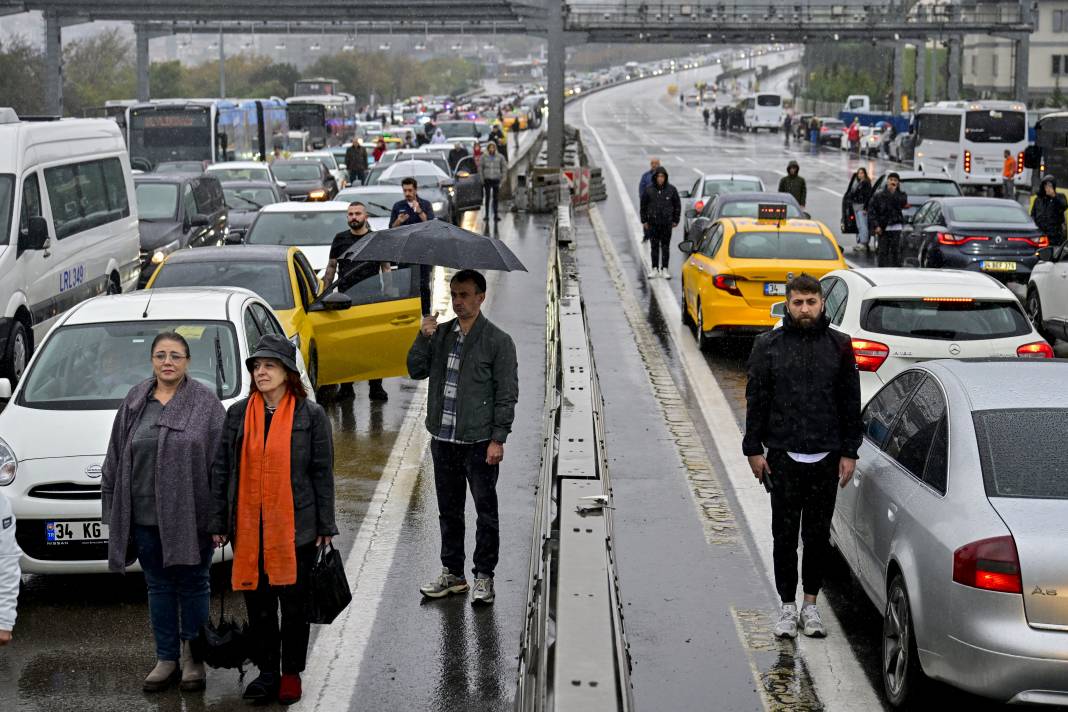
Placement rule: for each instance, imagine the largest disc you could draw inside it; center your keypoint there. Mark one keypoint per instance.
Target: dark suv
(177, 211)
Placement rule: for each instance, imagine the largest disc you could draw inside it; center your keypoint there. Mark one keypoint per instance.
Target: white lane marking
(839, 679)
(695, 170)
(831, 191)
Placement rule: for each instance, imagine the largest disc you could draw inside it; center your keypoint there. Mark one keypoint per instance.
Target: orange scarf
(264, 490)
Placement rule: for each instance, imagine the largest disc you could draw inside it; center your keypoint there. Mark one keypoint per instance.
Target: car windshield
(731, 185)
(249, 174)
(1017, 452)
(180, 167)
(157, 201)
(379, 205)
(452, 129)
(930, 188)
(424, 172)
(1007, 214)
(7, 188)
(951, 319)
(750, 209)
(248, 198)
(995, 126)
(93, 366)
(303, 229)
(769, 100)
(307, 170)
(781, 246)
(270, 280)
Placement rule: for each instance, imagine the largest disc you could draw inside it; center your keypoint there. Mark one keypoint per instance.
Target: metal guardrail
(574, 653)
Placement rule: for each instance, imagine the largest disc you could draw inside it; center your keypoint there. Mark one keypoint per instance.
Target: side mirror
(1045, 254)
(199, 220)
(778, 310)
(5, 389)
(281, 184)
(36, 235)
(234, 238)
(684, 194)
(336, 301)
(691, 213)
(806, 215)
(686, 246)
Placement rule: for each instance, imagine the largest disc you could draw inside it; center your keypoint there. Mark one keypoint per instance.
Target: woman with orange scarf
(273, 495)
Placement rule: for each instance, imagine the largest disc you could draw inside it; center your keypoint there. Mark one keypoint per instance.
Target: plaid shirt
(452, 382)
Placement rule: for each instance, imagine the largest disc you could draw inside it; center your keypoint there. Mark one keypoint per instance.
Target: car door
(192, 235)
(697, 268)
(1053, 290)
(370, 338)
(468, 185)
(912, 236)
(37, 277)
(887, 499)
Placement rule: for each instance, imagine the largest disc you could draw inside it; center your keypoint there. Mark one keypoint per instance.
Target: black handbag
(225, 644)
(328, 588)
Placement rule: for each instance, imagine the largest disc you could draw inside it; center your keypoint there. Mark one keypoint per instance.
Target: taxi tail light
(728, 283)
(1019, 163)
(948, 238)
(990, 564)
(1036, 349)
(869, 355)
(967, 161)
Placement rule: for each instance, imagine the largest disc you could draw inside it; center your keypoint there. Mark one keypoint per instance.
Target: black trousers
(889, 250)
(802, 497)
(491, 186)
(284, 645)
(455, 468)
(659, 245)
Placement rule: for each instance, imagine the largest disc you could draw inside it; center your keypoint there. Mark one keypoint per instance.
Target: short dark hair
(470, 275)
(357, 202)
(804, 284)
(894, 175)
(170, 336)
(410, 181)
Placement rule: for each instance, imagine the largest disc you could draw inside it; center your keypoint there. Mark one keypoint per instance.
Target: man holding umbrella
(474, 386)
(412, 209)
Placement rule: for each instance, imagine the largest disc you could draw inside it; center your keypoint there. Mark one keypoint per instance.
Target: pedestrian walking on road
(1008, 176)
(660, 212)
(853, 136)
(1048, 210)
(803, 405)
(10, 573)
(886, 221)
(456, 154)
(492, 171)
(356, 162)
(380, 148)
(857, 196)
(644, 182)
(156, 500)
(794, 184)
(707, 115)
(787, 125)
(409, 210)
(273, 497)
(814, 133)
(473, 389)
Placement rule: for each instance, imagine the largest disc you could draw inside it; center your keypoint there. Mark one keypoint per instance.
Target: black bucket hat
(278, 347)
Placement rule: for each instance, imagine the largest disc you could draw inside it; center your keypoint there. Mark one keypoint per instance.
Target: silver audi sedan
(956, 526)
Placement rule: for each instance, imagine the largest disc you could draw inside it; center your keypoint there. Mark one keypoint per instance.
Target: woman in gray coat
(155, 493)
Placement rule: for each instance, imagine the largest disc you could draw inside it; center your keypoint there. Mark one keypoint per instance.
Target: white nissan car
(898, 317)
(54, 431)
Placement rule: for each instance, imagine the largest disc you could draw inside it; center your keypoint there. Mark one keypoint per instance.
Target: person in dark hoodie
(1048, 210)
(644, 182)
(793, 183)
(660, 210)
(886, 220)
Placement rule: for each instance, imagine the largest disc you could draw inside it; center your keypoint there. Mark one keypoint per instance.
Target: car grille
(65, 490)
(32, 539)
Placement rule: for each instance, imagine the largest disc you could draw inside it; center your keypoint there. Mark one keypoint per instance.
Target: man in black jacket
(660, 209)
(1048, 210)
(356, 162)
(803, 405)
(886, 221)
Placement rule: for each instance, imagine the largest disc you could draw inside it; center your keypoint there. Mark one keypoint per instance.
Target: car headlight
(438, 205)
(8, 464)
(317, 194)
(161, 253)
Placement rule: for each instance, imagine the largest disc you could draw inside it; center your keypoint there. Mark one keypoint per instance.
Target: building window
(1060, 65)
(1056, 65)
(995, 64)
(1058, 21)
(974, 58)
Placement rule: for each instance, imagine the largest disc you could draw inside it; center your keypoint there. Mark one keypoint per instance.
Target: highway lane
(635, 122)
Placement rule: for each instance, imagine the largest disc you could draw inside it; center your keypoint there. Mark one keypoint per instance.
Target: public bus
(763, 111)
(204, 130)
(330, 119)
(317, 85)
(966, 140)
(1051, 137)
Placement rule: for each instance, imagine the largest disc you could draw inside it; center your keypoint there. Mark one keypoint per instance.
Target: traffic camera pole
(557, 57)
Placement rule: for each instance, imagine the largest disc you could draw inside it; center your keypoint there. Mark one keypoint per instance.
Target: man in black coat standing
(803, 405)
(356, 162)
(886, 220)
(1048, 210)
(660, 209)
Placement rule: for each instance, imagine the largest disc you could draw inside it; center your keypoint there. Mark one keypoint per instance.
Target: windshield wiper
(218, 367)
(380, 207)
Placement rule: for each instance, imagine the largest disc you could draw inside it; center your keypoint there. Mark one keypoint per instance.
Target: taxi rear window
(781, 246)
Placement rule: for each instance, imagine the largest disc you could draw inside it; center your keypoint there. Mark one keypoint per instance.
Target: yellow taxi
(739, 268)
(361, 330)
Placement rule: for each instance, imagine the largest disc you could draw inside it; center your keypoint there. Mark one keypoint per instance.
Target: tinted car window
(966, 320)
(995, 126)
(248, 198)
(300, 228)
(880, 412)
(781, 246)
(938, 460)
(715, 187)
(746, 209)
(270, 280)
(930, 188)
(384, 286)
(157, 201)
(298, 171)
(1020, 452)
(835, 293)
(910, 440)
(1002, 214)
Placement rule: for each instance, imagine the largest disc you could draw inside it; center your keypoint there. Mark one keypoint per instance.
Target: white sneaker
(811, 624)
(665, 273)
(652, 274)
(786, 626)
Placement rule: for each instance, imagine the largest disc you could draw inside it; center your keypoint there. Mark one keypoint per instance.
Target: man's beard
(806, 322)
(357, 224)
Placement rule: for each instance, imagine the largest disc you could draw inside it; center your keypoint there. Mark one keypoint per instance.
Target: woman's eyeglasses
(162, 357)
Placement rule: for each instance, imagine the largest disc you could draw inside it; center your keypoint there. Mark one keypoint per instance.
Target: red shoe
(289, 691)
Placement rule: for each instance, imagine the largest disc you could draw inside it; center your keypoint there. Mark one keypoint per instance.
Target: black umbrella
(435, 242)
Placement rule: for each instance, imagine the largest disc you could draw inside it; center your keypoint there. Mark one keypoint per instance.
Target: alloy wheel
(896, 644)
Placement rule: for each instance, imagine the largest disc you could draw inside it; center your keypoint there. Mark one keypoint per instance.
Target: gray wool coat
(190, 429)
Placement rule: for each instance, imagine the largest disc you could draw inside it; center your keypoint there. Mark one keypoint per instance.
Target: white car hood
(34, 433)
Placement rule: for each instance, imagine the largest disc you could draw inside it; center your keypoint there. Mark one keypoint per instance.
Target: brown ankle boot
(161, 676)
(193, 674)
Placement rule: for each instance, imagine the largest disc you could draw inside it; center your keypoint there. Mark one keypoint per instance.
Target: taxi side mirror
(336, 301)
(686, 246)
(778, 310)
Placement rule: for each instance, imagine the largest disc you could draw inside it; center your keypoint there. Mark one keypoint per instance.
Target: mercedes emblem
(954, 349)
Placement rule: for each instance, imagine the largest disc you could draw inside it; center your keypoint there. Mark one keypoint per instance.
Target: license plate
(993, 266)
(57, 532)
(991, 170)
(774, 289)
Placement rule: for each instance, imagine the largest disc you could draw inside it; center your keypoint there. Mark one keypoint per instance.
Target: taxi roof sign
(771, 211)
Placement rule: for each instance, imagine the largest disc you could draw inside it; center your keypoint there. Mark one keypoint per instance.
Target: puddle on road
(778, 667)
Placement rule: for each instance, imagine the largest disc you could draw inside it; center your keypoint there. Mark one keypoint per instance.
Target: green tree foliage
(96, 69)
(833, 71)
(391, 76)
(21, 76)
(166, 80)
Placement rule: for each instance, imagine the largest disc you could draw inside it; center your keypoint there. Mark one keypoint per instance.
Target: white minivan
(68, 225)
